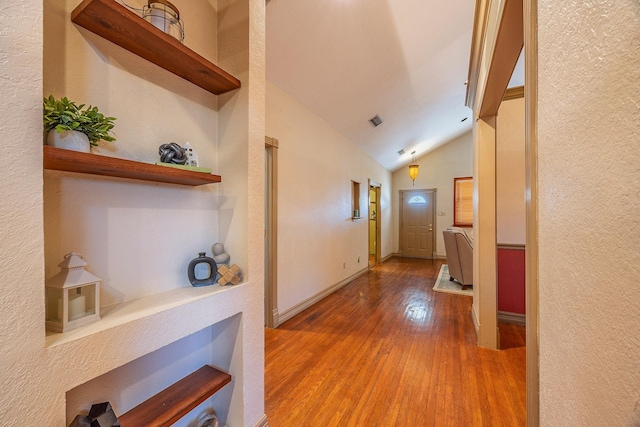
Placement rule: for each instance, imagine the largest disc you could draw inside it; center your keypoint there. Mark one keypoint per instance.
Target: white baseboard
(396, 254)
(388, 257)
(300, 307)
(474, 317)
(263, 422)
(516, 318)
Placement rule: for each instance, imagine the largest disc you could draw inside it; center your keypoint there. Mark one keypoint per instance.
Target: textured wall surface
(117, 222)
(319, 244)
(437, 170)
(241, 51)
(22, 368)
(589, 199)
(137, 236)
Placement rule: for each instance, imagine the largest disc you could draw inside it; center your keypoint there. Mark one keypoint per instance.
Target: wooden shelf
(174, 402)
(116, 23)
(94, 164)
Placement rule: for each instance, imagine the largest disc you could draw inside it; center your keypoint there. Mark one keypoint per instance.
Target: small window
(463, 202)
(417, 200)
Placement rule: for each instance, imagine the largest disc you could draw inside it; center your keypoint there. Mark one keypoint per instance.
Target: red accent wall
(511, 277)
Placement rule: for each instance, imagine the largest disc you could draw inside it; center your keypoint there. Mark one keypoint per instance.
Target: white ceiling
(348, 60)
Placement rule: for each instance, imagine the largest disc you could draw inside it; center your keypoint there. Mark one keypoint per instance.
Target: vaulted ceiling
(349, 60)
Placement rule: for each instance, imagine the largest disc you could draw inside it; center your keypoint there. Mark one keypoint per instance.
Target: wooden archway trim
(508, 46)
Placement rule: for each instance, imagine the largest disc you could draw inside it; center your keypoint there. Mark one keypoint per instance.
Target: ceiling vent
(401, 152)
(375, 121)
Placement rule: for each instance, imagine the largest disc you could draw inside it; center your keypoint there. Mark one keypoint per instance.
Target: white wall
(22, 242)
(437, 170)
(588, 204)
(510, 176)
(241, 41)
(127, 230)
(137, 236)
(318, 243)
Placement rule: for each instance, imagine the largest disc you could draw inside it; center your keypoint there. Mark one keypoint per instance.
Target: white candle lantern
(72, 296)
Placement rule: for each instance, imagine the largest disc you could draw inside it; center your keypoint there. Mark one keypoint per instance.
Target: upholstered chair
(459, 248)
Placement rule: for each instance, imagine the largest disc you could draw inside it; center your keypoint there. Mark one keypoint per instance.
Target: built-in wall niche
(133, 383)
(128, 231)
(355, 200)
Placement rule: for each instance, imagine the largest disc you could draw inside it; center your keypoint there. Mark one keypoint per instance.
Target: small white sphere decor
(72, 296)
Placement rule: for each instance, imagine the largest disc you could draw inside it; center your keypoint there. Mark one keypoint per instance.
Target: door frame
(377, 186)
(528, 17)
(433, 215)
(531, 168)
(272, 316)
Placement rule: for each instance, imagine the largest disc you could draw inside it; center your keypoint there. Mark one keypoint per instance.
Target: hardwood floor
(386, 350)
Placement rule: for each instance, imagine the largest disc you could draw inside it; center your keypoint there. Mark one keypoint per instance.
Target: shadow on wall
(135, 382)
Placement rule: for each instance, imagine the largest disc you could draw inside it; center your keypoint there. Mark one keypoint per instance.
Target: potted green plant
(71, 127)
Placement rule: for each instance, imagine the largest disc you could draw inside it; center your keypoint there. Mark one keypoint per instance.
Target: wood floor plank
(388, 350)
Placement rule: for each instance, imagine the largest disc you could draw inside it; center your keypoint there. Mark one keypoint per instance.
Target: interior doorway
(417, 222)
(517, 26)
(271, 233)
(374, 223)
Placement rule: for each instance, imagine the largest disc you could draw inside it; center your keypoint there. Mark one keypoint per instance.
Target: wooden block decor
(229, 275)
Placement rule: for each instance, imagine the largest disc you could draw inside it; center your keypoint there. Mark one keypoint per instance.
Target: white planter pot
(69, 140)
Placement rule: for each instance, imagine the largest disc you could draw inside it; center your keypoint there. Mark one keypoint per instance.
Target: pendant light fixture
(413, 168)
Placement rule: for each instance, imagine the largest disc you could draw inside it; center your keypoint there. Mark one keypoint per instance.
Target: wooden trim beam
(511, 246)
(508, 45)
(513, 93)
(517, 27)
(477, 49)
(272, 314)
(484, 233)
(515, 318)
(271, 142)
(531, 185)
